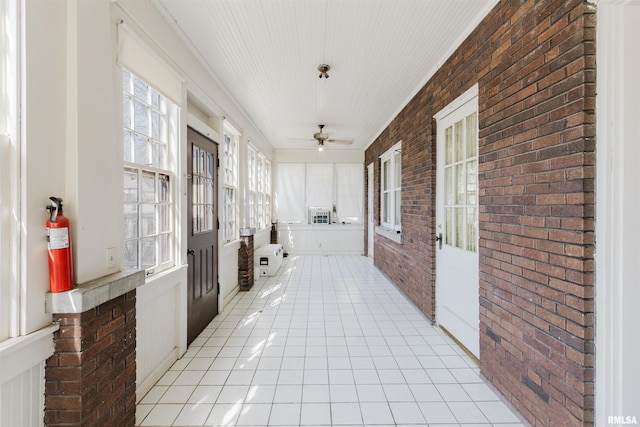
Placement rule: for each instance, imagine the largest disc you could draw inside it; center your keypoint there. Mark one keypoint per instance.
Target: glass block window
(149, 132)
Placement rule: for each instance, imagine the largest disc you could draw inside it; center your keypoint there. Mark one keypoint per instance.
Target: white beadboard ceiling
(266, 54)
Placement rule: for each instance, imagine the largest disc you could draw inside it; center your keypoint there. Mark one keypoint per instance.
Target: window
(259, 190)
(302, 188)
(349, 192)
(391, 188)
(9, 176)
(266, 194)
(251, 186)
(150, 136)
(230, 183)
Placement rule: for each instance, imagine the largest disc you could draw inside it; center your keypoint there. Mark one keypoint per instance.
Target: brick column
(90, 380)
(245, 260)
(274, 233)
(91, 377)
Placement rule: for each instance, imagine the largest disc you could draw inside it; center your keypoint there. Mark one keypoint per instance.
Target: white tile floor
(329, 341)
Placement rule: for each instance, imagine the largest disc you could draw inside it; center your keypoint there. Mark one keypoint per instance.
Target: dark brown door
(202, 241)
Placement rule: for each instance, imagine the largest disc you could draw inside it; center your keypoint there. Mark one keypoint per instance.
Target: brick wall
(91, 378)
(534, 62)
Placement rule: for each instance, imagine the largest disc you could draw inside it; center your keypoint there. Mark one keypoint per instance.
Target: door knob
(439, 240)
(191, 252)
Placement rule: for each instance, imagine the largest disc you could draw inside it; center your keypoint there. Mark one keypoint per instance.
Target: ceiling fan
(323, 137)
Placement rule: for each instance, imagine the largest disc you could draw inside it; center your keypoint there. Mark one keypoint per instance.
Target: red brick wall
(534, 62)
(91, 378)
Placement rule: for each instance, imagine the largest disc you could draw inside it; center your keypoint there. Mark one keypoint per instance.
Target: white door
(457, 267)
(370, 227)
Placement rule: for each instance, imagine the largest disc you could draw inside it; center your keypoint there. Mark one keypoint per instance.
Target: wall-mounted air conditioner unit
(319, 215)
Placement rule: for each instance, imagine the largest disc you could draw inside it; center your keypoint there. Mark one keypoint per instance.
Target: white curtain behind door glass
(290, 192)
(349, 188)
(319, 189)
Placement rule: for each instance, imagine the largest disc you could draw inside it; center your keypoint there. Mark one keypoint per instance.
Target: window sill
(394, 235)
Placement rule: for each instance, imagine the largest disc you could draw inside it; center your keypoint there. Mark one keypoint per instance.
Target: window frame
(230, 183)
(168, 141)
(10, 176)
(258, 189)
(391, 163)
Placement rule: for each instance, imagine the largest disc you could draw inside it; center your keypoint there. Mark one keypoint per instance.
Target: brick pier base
(91, 377)
(245, 263)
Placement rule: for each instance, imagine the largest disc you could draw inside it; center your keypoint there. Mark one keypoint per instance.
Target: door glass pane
(201, 219)
(448, 145)
(209, 214)
(449, 189)
(195, 156)
(448, 226)
(459, 140)
(472, 135)
(472, 183)
(210, 165)
(459, 184)
(472, 227)
(459, 227)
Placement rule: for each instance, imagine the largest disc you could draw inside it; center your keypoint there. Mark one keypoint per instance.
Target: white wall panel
(161, 327)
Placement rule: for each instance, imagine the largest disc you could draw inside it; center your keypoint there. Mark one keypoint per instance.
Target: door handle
(191, 252)
(439, 240)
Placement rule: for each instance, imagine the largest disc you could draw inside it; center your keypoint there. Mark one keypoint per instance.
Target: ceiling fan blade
(341, 141)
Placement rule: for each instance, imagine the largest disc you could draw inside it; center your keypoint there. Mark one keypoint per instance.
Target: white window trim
(389, 228)
(173, 144)
(11, 263)
(234, 135)
(258, 183)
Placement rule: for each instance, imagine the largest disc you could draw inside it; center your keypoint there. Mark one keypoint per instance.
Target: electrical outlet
(111, 258)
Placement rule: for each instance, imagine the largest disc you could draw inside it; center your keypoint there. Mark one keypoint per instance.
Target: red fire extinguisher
(59, 242)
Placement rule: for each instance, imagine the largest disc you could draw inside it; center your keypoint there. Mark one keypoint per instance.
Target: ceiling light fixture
(324, 69)
(320, 145)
